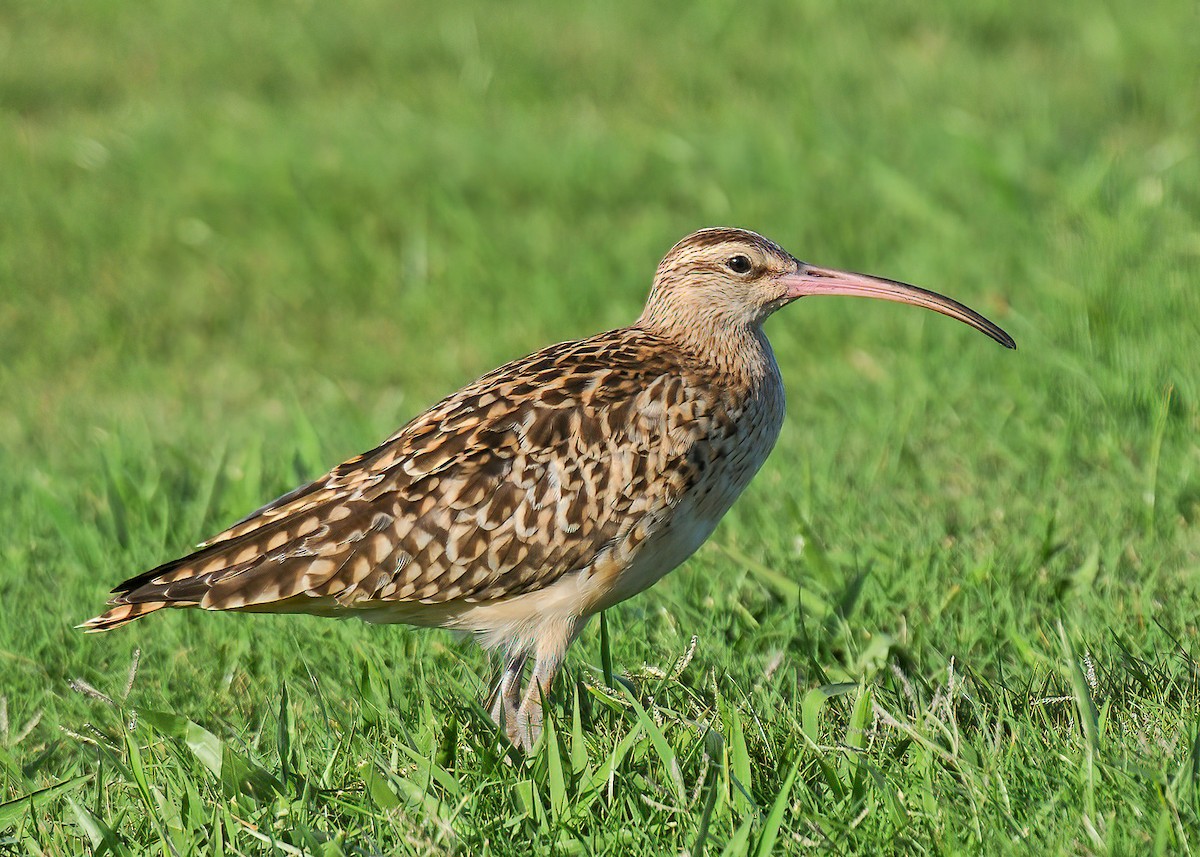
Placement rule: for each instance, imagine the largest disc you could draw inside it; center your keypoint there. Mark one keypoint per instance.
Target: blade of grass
(12, 810)
(771, 825)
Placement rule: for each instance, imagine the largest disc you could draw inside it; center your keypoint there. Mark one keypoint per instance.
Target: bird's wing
(527, 474)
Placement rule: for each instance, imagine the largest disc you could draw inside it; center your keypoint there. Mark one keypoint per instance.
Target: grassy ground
(954, 614)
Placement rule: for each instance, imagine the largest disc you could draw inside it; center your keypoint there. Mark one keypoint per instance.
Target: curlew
(546, 491)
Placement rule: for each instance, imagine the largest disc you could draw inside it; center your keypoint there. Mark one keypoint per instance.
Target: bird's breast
(722, 460)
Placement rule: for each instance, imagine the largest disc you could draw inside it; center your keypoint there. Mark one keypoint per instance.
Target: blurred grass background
(241, 242)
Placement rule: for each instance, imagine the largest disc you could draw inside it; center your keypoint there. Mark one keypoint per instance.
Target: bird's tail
(263, 568)
(119, 615)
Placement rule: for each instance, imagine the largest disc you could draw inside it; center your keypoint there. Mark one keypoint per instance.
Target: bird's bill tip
(811, 280)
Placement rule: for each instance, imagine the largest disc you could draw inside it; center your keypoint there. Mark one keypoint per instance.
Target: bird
(546, 491)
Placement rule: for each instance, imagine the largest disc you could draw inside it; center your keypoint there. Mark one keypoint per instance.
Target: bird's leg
(508, 691)
(551, 651)
(529, 715)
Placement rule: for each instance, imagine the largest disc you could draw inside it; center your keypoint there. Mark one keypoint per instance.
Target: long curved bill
(811, 280)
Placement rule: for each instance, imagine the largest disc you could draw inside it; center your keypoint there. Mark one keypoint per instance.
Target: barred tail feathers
(120, 615)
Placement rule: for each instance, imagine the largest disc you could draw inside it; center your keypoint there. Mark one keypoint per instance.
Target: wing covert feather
(525, 475)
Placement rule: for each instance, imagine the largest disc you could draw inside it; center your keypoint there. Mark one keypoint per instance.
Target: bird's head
(724, 279)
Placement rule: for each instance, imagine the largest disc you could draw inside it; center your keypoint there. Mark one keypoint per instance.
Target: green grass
(955, 614)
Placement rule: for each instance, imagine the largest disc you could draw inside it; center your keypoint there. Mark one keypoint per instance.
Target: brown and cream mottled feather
(549, 489)
(533, 471)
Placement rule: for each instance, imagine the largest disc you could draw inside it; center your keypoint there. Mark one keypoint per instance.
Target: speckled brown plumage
(549, 489)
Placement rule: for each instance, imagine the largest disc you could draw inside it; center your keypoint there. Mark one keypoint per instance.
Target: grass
(954, 614)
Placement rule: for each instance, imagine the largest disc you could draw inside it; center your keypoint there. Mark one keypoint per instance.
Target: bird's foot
(529, 720)
(505, 707)
(519, 713)
(522, 724)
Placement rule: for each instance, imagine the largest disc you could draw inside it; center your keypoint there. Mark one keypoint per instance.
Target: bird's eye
(739, 264)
